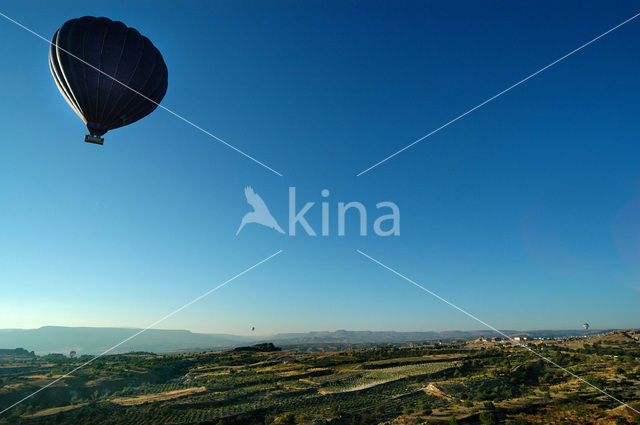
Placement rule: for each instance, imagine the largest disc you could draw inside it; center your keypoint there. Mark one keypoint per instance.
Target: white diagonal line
(500, 94)
(494, 329)
(143, 330)
(197, 127)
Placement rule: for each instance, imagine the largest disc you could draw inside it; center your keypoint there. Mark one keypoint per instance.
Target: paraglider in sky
(585, 326)
(118, 51)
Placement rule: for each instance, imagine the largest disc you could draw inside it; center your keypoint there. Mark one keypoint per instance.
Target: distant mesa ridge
(90, 340)
(16, 352)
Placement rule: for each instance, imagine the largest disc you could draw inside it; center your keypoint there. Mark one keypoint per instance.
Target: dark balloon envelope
(118, 51)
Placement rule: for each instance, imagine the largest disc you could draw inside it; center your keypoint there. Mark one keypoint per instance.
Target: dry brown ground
(151, 398)
(53, 411)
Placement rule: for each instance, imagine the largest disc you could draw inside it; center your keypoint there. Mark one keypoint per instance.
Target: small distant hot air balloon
(72, 354)
(585, 326)
(253, 328)
(118, 51)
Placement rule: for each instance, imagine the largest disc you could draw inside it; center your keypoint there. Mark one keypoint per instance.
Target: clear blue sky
(525, 213)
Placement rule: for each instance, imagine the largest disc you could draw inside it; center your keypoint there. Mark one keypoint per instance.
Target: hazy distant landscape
(90, 340)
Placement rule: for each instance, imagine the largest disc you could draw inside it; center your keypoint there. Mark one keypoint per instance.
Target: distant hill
(86, 340)
(264, 348)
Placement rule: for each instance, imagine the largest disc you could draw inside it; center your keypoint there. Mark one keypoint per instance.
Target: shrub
(426, 408)
(517, 421)
(488, 418)
(288, 418)
(489, 405)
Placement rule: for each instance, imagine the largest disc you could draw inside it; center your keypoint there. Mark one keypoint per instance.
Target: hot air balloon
(253, 328)
(585, 326)
(85, 45)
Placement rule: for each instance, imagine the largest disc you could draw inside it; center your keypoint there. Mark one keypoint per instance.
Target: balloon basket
(90, 138)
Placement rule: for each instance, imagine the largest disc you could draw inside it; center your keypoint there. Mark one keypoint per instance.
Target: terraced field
(363, 379)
